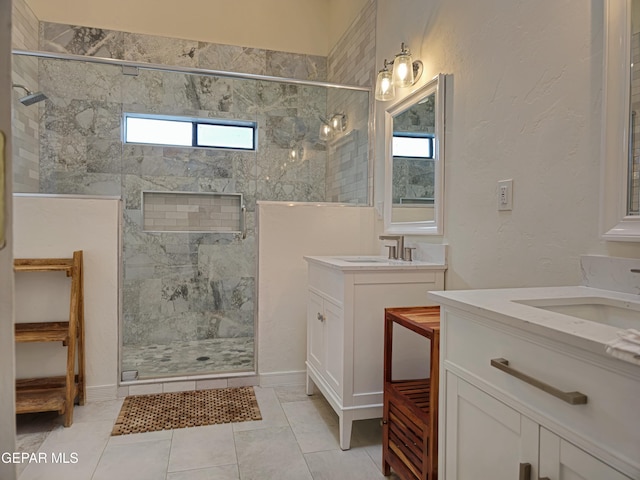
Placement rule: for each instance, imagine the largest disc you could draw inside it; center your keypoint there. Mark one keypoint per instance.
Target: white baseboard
(101, 393)
(276, 379)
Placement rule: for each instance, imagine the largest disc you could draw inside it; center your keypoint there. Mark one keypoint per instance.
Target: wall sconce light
(296, 153)
(405, 73)
(337, 123)
(325, 130)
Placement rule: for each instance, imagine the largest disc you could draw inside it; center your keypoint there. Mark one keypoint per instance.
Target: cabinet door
(334, 346)
(484, 438)
(561, 460)
(315, 332)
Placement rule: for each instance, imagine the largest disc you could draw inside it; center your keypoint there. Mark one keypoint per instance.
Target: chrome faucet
(396, 252)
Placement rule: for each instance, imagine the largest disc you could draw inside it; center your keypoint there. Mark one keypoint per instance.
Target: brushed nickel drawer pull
(573, 398)
(525, 471)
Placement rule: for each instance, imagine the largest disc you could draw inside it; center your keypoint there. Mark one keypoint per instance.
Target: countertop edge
(397, 265)
(583, 334)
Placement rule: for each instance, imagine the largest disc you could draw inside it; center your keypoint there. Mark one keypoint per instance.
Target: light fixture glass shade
(339, 122)
(403, 70)
(325, 132)
(385, 90)
(296, 153)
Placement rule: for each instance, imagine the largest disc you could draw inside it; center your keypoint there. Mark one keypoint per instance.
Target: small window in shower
(412, 145)
(189, 132)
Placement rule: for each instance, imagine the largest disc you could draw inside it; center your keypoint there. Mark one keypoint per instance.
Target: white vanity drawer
(611, 416)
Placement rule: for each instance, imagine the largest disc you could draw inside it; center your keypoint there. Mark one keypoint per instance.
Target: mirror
(620, 210)
(633, 169)
(414, 158)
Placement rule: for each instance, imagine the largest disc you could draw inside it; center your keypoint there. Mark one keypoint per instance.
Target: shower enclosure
(188, 297)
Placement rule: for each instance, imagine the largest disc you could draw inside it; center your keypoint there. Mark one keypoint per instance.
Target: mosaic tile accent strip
(167, 411)
(191, 212)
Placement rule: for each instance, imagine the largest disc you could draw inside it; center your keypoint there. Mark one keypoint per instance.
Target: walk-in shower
(188, 292)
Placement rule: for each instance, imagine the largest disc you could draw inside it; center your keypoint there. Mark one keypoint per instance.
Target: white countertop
(371, 262)
(501, 305)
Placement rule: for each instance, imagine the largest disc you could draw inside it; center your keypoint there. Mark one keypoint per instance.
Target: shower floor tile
(197, 357)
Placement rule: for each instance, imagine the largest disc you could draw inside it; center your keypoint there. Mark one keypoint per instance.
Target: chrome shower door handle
(572, 398)
(243, 221)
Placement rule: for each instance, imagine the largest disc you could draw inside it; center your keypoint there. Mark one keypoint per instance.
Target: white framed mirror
(414, 162)
(620, 202)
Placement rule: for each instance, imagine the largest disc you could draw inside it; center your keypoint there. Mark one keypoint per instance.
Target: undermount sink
(363, 259)
(607, 311)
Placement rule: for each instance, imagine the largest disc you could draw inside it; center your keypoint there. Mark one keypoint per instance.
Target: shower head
(31, 97)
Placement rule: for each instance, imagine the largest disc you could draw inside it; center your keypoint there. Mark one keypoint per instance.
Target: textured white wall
(55, 227)
(7, 388)
(287, 232)
(524, 102)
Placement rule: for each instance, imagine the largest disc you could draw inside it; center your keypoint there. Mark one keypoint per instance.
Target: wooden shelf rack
(410, 411)
(58, 393)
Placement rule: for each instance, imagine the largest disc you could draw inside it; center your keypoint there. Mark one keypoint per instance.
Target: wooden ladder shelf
(55, 393)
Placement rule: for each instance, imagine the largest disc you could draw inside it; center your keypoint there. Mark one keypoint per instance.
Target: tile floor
(297, 439)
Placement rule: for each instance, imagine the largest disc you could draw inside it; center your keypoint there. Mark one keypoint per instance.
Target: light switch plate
(505, 195)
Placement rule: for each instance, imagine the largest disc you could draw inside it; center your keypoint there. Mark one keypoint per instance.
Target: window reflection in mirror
(413, 186)
(414, 148)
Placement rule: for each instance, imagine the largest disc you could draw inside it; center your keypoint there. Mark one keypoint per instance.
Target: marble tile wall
(25, 119)
(611, 273)
(352, 59)
(347, 169)
(24, 24)
(352, 62)
(79, 40)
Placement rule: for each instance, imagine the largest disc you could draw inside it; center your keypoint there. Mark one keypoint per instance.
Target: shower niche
(188, 271)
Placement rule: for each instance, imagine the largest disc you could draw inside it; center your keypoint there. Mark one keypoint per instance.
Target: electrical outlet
(505, 194)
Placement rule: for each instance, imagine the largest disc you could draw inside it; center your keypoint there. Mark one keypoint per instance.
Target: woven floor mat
(165, 411)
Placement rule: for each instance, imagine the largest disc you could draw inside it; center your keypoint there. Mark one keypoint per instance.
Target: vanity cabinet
(564, 461)
(325, 328)
(550, 411)
(345, 332)
(488, 439)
